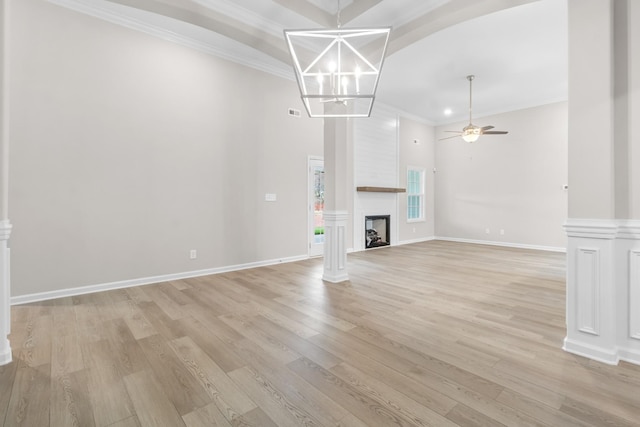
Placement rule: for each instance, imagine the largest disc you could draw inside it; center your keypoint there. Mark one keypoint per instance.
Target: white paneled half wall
(603, 289)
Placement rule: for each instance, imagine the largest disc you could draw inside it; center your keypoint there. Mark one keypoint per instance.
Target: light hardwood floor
(436, 333)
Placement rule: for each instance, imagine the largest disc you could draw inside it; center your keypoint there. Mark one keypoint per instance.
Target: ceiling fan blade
(487, 127)
(495, 132)
(456, 131)
(449, 137)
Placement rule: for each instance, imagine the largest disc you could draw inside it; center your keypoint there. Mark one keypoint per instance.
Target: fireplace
(377, 231)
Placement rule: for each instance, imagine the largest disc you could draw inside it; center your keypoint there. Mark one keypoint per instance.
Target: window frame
(421, 194)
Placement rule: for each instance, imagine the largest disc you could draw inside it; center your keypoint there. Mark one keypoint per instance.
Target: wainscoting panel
(588, 290)
(335, 254)
(342, 238)
(634, 294)
(603, 289)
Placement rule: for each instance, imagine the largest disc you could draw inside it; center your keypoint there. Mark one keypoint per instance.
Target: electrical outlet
(486, 230)
(193, 254)
(502, 232)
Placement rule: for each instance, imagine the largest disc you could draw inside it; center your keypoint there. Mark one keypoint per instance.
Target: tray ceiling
(517, 49)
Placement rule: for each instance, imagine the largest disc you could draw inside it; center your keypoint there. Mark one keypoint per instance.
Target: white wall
(510, 182)
(592, 177)
(417, 154)
(128, 151)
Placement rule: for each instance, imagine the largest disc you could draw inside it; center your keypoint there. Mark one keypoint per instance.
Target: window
(415, 194)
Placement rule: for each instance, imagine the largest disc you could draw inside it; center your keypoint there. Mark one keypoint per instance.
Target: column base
(5, 355)
(608, 356)
(335, 247)
(5, 294)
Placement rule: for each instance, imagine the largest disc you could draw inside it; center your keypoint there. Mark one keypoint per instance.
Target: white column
(5, 225)
(337, 147)
(603, 228)
(633, 49)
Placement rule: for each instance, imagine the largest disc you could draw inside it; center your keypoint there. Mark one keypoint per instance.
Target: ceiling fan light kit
(471, 132)
(339, 66)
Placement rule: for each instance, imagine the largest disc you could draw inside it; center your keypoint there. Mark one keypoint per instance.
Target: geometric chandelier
(338, 67)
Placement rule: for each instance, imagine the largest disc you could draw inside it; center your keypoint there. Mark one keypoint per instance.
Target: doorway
(316, 206)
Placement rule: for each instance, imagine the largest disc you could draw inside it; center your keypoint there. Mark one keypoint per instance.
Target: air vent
(293, 112)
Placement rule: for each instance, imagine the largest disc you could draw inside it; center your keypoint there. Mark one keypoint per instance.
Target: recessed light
(447, 112)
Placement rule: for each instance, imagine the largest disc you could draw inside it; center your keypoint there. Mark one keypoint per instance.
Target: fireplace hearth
(377, 231)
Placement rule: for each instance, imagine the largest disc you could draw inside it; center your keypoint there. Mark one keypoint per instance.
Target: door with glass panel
(316, 206)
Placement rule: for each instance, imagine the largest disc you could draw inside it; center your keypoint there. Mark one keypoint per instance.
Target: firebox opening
(377, 231)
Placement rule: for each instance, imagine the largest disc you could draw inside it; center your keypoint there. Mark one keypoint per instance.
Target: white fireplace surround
(374, 204)
(376, 145)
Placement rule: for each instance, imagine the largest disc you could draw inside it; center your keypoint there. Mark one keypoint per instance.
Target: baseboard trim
(412, 241)
(629, 355)
(591, 352)
(504, 244)
(43, 296)
(596, 353)
(5, 358)
(69, 292)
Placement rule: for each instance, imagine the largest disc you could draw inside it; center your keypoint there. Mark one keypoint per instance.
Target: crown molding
(115, 14)
(241, 14)
(407, 115)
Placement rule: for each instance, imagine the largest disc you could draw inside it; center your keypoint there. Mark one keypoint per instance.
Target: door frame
(314, 249)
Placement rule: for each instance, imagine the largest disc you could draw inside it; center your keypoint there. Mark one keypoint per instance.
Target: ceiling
(517, 49)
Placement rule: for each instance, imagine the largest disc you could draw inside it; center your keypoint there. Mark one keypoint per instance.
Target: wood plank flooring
(429, 334)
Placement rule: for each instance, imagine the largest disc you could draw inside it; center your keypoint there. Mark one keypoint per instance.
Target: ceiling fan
(471, 133)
